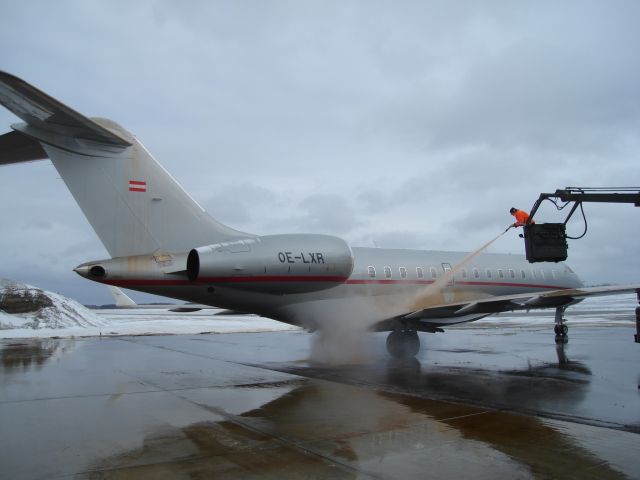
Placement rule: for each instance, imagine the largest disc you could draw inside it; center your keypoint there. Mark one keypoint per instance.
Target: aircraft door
(447, 270)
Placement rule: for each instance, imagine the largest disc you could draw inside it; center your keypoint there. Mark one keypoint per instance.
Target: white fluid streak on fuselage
(431, 293)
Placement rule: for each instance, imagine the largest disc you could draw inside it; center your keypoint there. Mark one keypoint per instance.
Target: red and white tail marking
(137, 186)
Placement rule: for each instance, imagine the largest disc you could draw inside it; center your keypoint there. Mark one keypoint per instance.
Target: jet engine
(292, 263)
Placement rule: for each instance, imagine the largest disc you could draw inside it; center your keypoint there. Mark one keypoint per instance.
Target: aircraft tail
(134, 205)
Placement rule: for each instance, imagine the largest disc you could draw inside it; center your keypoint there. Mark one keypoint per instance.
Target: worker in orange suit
(522, 217)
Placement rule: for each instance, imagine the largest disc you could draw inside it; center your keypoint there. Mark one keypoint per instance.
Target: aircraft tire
(403, 344)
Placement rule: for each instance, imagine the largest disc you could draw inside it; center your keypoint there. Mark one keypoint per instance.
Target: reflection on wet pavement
(328, 430)
(244, 406)
(555, 389)
(30, 353)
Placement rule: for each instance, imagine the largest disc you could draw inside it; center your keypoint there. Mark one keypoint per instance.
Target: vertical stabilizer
(134, 205)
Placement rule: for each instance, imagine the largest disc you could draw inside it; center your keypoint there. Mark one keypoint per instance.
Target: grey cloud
(330, 212)
(316, 213)
(241, 204)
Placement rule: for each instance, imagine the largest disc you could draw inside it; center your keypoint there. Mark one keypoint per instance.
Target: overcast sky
(391, 124)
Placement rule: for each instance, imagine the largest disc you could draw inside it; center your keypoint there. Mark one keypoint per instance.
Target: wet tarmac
(487, 403)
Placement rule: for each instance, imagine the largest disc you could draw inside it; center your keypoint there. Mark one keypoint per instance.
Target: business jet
(162, 242)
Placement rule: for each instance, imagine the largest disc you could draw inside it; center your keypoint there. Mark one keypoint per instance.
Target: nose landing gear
(561, 329)
(403, 343)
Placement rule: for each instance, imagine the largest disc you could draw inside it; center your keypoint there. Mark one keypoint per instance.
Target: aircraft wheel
(403, 344)
(561, 330)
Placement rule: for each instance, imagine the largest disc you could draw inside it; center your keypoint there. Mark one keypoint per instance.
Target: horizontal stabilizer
(16, 147)
(43, 112)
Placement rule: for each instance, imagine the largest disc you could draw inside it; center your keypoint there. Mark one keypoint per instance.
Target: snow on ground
(163, 321)
(604, 310)
(158, 321)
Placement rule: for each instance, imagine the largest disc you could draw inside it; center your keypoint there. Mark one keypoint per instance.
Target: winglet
(121, 298)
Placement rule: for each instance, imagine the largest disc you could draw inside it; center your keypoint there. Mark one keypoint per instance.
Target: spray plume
(342, 324)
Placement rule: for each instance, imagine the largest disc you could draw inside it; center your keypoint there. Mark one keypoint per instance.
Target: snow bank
(23, 306)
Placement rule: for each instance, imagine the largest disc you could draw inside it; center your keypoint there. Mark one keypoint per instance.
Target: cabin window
(476, 273)
(403, 272)
(542, 274)
(464, 273)
(522, 274)
(512, 274)
(419, 272)
(533, 274)
(434, 274)
(500, 273)
(372, 272)
(488, 273)
(387, 272)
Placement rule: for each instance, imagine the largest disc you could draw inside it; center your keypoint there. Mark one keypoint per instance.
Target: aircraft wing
(526, 301)
(44, 113)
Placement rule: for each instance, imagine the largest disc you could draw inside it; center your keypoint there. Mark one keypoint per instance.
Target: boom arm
(599, 195)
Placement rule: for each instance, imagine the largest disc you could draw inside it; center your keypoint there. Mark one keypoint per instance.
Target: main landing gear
(560, 329)
(403, 342)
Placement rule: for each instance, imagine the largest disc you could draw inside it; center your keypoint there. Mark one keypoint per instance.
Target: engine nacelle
(293, 263)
